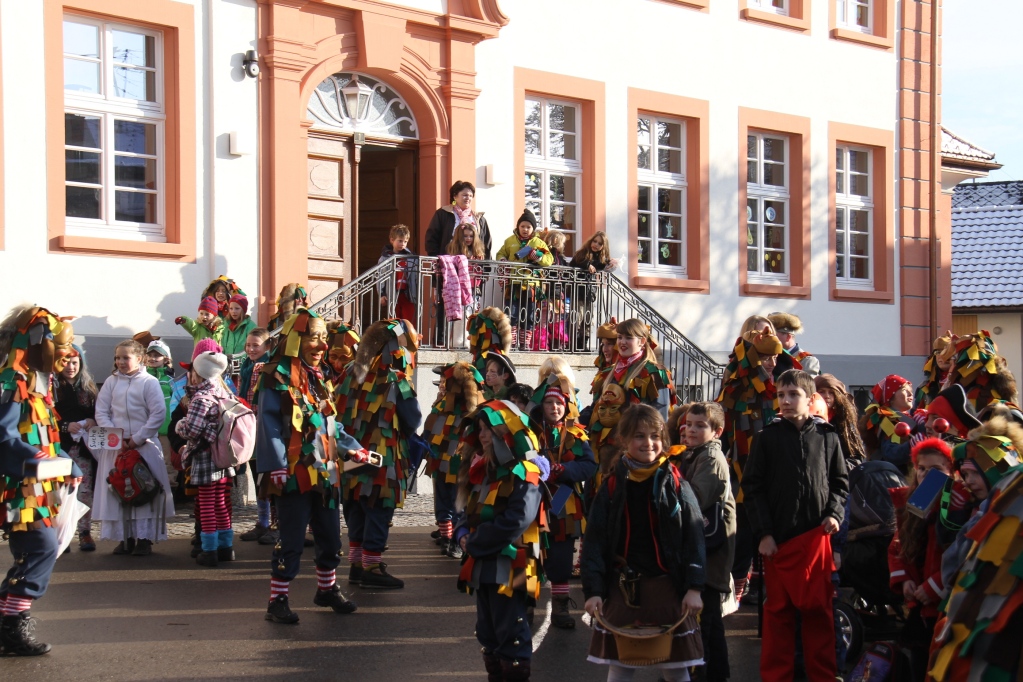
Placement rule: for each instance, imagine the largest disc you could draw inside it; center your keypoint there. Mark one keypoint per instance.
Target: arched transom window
(353, 102)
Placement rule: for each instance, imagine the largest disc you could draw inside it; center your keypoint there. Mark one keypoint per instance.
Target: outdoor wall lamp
(250, 64)
(357, 96)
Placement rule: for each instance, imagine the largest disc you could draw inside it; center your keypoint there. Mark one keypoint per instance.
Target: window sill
(778, 20)
(122, 247)
(698, 286)
(862, 295)
(862, 38)
(775, 291)
(692, 4)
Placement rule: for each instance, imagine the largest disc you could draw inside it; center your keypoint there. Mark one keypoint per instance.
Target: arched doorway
(362, 151)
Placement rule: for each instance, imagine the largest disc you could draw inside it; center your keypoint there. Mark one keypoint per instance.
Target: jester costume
(564, 444)
(879, 422)
(382, 411)
(977, 367)
(230, 287)
(297, 446)
(934, 375)
(501, 525)
(40, 344)
(461, 391)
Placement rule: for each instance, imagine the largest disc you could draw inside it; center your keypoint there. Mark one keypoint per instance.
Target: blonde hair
(399, 231)
(134, 347)
(555, 240)
(752, 322)
(555, 364)
(456, 247)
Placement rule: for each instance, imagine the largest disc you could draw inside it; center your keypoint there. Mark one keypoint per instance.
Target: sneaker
(143, 548)
(225, 554)
(335, 599)
(270, 537)
(125, 546)
(207, 559)
(377, 577)
(355, 574)
(279, 612)
(86, 543)
(453, 550)
(254, 534)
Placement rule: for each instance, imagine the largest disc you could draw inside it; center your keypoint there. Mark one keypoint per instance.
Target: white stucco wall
(731, 63)
(115, 297)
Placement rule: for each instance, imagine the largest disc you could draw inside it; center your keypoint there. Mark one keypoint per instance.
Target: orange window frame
(882, 33)
(176, 21)
(798, 18)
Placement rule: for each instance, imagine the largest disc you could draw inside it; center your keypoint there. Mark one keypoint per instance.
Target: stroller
(867, 610)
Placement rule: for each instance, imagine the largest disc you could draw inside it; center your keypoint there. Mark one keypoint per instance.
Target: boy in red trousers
(795, 485)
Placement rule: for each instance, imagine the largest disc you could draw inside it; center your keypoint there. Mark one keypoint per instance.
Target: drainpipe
(935, 172)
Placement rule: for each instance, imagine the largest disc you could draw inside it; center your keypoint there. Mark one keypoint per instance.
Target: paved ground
(164, 618)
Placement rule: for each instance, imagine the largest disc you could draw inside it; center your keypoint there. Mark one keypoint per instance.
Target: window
(854, 209)
(767, 208)
(776, 6)
(114, 119)
(661, 179)
(854, 14)
(553, 166)
(793, 15)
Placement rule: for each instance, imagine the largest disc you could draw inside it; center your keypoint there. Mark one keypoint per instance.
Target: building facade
(743, 156)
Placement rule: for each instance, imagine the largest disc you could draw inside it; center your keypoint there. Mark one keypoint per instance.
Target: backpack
(132, 480)
(871, 512)
(236, 435)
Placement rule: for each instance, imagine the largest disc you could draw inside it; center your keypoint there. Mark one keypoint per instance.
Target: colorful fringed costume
(934, 375)
(232, 290)
(977, 367)
(342, 342)
(381, 413)
(39, 345)
(489, 331)
(297, 447)
(502, 528)
(461, 391)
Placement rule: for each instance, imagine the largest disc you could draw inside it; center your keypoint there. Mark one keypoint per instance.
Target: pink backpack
(236, 436)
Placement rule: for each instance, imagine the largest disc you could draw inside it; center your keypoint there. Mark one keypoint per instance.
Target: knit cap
(528, 216)
(204, 346)
(209, 304)
(242, 301)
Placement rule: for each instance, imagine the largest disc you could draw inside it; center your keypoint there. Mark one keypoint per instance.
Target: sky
(982, 78)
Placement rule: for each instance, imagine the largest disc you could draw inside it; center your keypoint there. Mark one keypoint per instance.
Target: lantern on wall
(357, 96)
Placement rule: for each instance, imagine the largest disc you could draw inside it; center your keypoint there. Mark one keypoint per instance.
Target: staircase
(563, 305)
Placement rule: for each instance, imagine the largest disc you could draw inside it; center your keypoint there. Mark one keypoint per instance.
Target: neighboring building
(987, 264)
(743, 157)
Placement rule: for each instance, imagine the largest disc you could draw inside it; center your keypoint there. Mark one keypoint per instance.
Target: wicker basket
(646, 645)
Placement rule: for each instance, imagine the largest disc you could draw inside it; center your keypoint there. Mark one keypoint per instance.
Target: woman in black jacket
(76, 409)
(593, 257)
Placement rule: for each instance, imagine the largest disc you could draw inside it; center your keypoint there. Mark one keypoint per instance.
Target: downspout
(935, 188)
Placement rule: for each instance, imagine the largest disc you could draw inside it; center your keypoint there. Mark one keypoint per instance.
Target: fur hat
(952, 405)
(397, 337)
(209, 365)
(786, 322)
(462, 378)
(209, 305)
(765, 342)
(931, 445)
(489, 331)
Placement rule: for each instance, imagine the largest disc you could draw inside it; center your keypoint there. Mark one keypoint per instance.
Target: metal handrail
(554, 309)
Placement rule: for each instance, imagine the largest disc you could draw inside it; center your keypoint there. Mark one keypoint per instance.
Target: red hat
(886, 388)
(932, 445)
(242, 301)
(203, 346)
(209, 304)
(555, 392)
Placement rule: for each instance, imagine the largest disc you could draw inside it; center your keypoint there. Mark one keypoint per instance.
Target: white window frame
(654, 179)
(110, 108)
(846, 202)
(546, 166)
(845, 14)
(760, 192)
(780, 7)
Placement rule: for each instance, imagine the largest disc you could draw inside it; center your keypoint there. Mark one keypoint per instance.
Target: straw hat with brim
(642, 645)
(504, 360)
(209, 364)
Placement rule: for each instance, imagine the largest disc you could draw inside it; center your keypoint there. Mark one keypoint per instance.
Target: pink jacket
(457, 291)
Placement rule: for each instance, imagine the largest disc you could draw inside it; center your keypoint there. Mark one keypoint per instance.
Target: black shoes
(142, 548)
(207, 559)
(17, 636)
(279, 612)
(355, 574)
(560, 616)
(125, 547)
(377, 577)
(450, 548)
(254, 534)
(335, 600)
(225, 554)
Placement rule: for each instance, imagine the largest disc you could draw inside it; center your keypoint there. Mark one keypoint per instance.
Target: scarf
(464, 217)
(641, 471)
(623, 364)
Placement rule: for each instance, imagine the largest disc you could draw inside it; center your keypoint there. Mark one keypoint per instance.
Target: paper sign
(103, 438)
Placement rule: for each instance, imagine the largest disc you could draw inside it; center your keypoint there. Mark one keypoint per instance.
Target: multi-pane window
(776, 6)
(114, 119)
(855, 14)
(854, 208)
(661, 175)
(767, 208)
(553, 165)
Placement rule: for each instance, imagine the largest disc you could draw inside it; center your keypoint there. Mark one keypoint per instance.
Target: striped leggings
(215, 506)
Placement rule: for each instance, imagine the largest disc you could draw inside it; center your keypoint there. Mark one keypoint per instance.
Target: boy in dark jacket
(795, 484)
(403, 294)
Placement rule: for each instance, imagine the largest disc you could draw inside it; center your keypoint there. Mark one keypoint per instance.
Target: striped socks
(277, 588)
(354, 553)
(445, 529)
(15, 605)
(324, 579)
(559, 589)
(370, 559)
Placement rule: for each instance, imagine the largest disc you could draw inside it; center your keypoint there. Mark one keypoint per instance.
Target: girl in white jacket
(131, 399)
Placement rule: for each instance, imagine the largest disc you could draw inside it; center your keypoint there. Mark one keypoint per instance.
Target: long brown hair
(636, 329)
(456, 247)
(134, 347)
(584, 256)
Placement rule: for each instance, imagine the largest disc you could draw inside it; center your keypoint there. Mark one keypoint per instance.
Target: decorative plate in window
(770, 213)
(352, 102)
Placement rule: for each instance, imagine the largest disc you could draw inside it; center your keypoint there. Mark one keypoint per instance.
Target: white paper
(103, 438)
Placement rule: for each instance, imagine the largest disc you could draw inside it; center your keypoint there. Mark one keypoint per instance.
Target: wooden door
(330, 215)
(387, 196)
